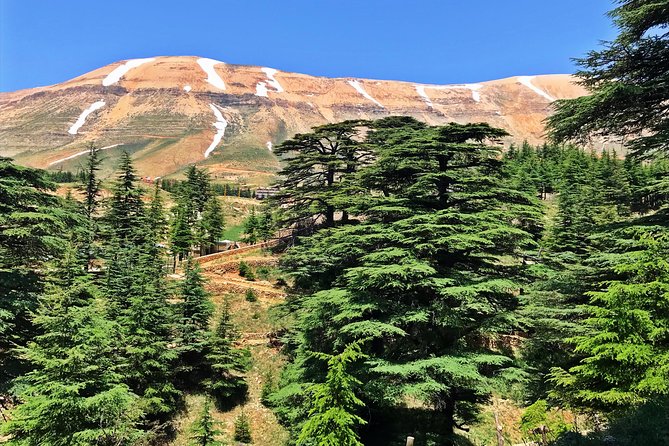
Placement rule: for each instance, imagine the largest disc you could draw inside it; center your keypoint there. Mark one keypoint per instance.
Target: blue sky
(43, 42)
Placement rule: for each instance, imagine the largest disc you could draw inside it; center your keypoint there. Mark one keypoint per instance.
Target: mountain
(173, 111)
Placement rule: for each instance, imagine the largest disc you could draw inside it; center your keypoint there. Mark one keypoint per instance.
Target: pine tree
(75, 393)
(431, 272)
(625, 80)
(332, 419)
(91, 187)
(196, 311)
(211, 226)
(251, 228)
(182, 238)
(204, 431)
(243, 429)
(228, 364)
(316, 167)
(126, 209)
(33, 231)
(626, 355)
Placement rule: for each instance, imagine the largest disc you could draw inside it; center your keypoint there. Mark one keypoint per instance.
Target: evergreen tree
(316, 167)
(196, 311)
(243, 429)
(228, 364)
(626, 83)
(429, 274)
(126, 209)
(252, 228)
(182, 238)
(75, 394)
(211, 225)
(33, 229)
(91, 187)
(204, 430)
(626, 353)
(332, 419)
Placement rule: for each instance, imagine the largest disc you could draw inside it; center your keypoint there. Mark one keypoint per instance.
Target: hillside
(172, 111)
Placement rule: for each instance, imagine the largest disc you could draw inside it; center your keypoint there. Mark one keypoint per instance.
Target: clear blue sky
(43, 42)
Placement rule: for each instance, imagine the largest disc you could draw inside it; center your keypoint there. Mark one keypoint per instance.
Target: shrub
(242, 429)
(251, 295)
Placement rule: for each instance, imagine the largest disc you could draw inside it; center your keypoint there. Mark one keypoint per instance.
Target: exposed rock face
(172, 111)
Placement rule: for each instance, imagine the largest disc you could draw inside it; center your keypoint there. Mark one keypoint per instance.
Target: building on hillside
(266, 192)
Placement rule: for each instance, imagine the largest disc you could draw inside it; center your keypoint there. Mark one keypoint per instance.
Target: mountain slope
(172, 111)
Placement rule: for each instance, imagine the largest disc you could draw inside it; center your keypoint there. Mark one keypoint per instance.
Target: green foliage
(243, 429)
(626, 358)
(625, 79)
(211, 225)
(430, 274)
(245, 270)
(332, 419)
(228, 364)
(196, 310)
(33, 231)
(204, 431)
(317, 167)
(250, 295)
(75, 394)
(537, 418)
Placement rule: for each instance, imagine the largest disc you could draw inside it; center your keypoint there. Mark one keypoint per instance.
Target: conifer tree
(181, 233)
(332, 418)
(90, 186)
(625, 80)
(33, 229)
(196, 311)
(316, 167)
(126, 209)
(75, 394)
(243, 429)
(204, 430)
(228, 364)
(434, 266)
(626, 354)
(211, 225)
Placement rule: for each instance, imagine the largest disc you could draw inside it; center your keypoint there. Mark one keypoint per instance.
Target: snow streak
(81, 153)
(120, 71)
(527, 81)
(213, 78)
(355, 84)
(82, 117)
(220, 125)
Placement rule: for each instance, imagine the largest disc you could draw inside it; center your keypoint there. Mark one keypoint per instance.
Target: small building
(266, 192)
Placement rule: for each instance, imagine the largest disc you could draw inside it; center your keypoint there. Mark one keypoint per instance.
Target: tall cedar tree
(136, 291)
(75, 393)
(627, 351)
(91, 186)
(317, 165)
(429, 274)
(195, 314)
(332, 417)
(211, 225)
(33, 226)
(627, 83)
(228, 364)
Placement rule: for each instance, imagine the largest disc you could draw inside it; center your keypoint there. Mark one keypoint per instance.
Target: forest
(430, 272)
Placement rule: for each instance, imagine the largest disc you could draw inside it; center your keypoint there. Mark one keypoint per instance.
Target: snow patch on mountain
(120, 71)
(82, 117)
(261, 89)
(269, 145)
(220, 125)
(420, 89)
(271, 80)
(527, 81)
(355, 84)
(187, 88)
(213, 78)
(84, 152)
(476, 96)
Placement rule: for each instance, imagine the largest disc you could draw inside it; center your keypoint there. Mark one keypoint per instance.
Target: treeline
(439, 271)
(223, 190)
(97, 347)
